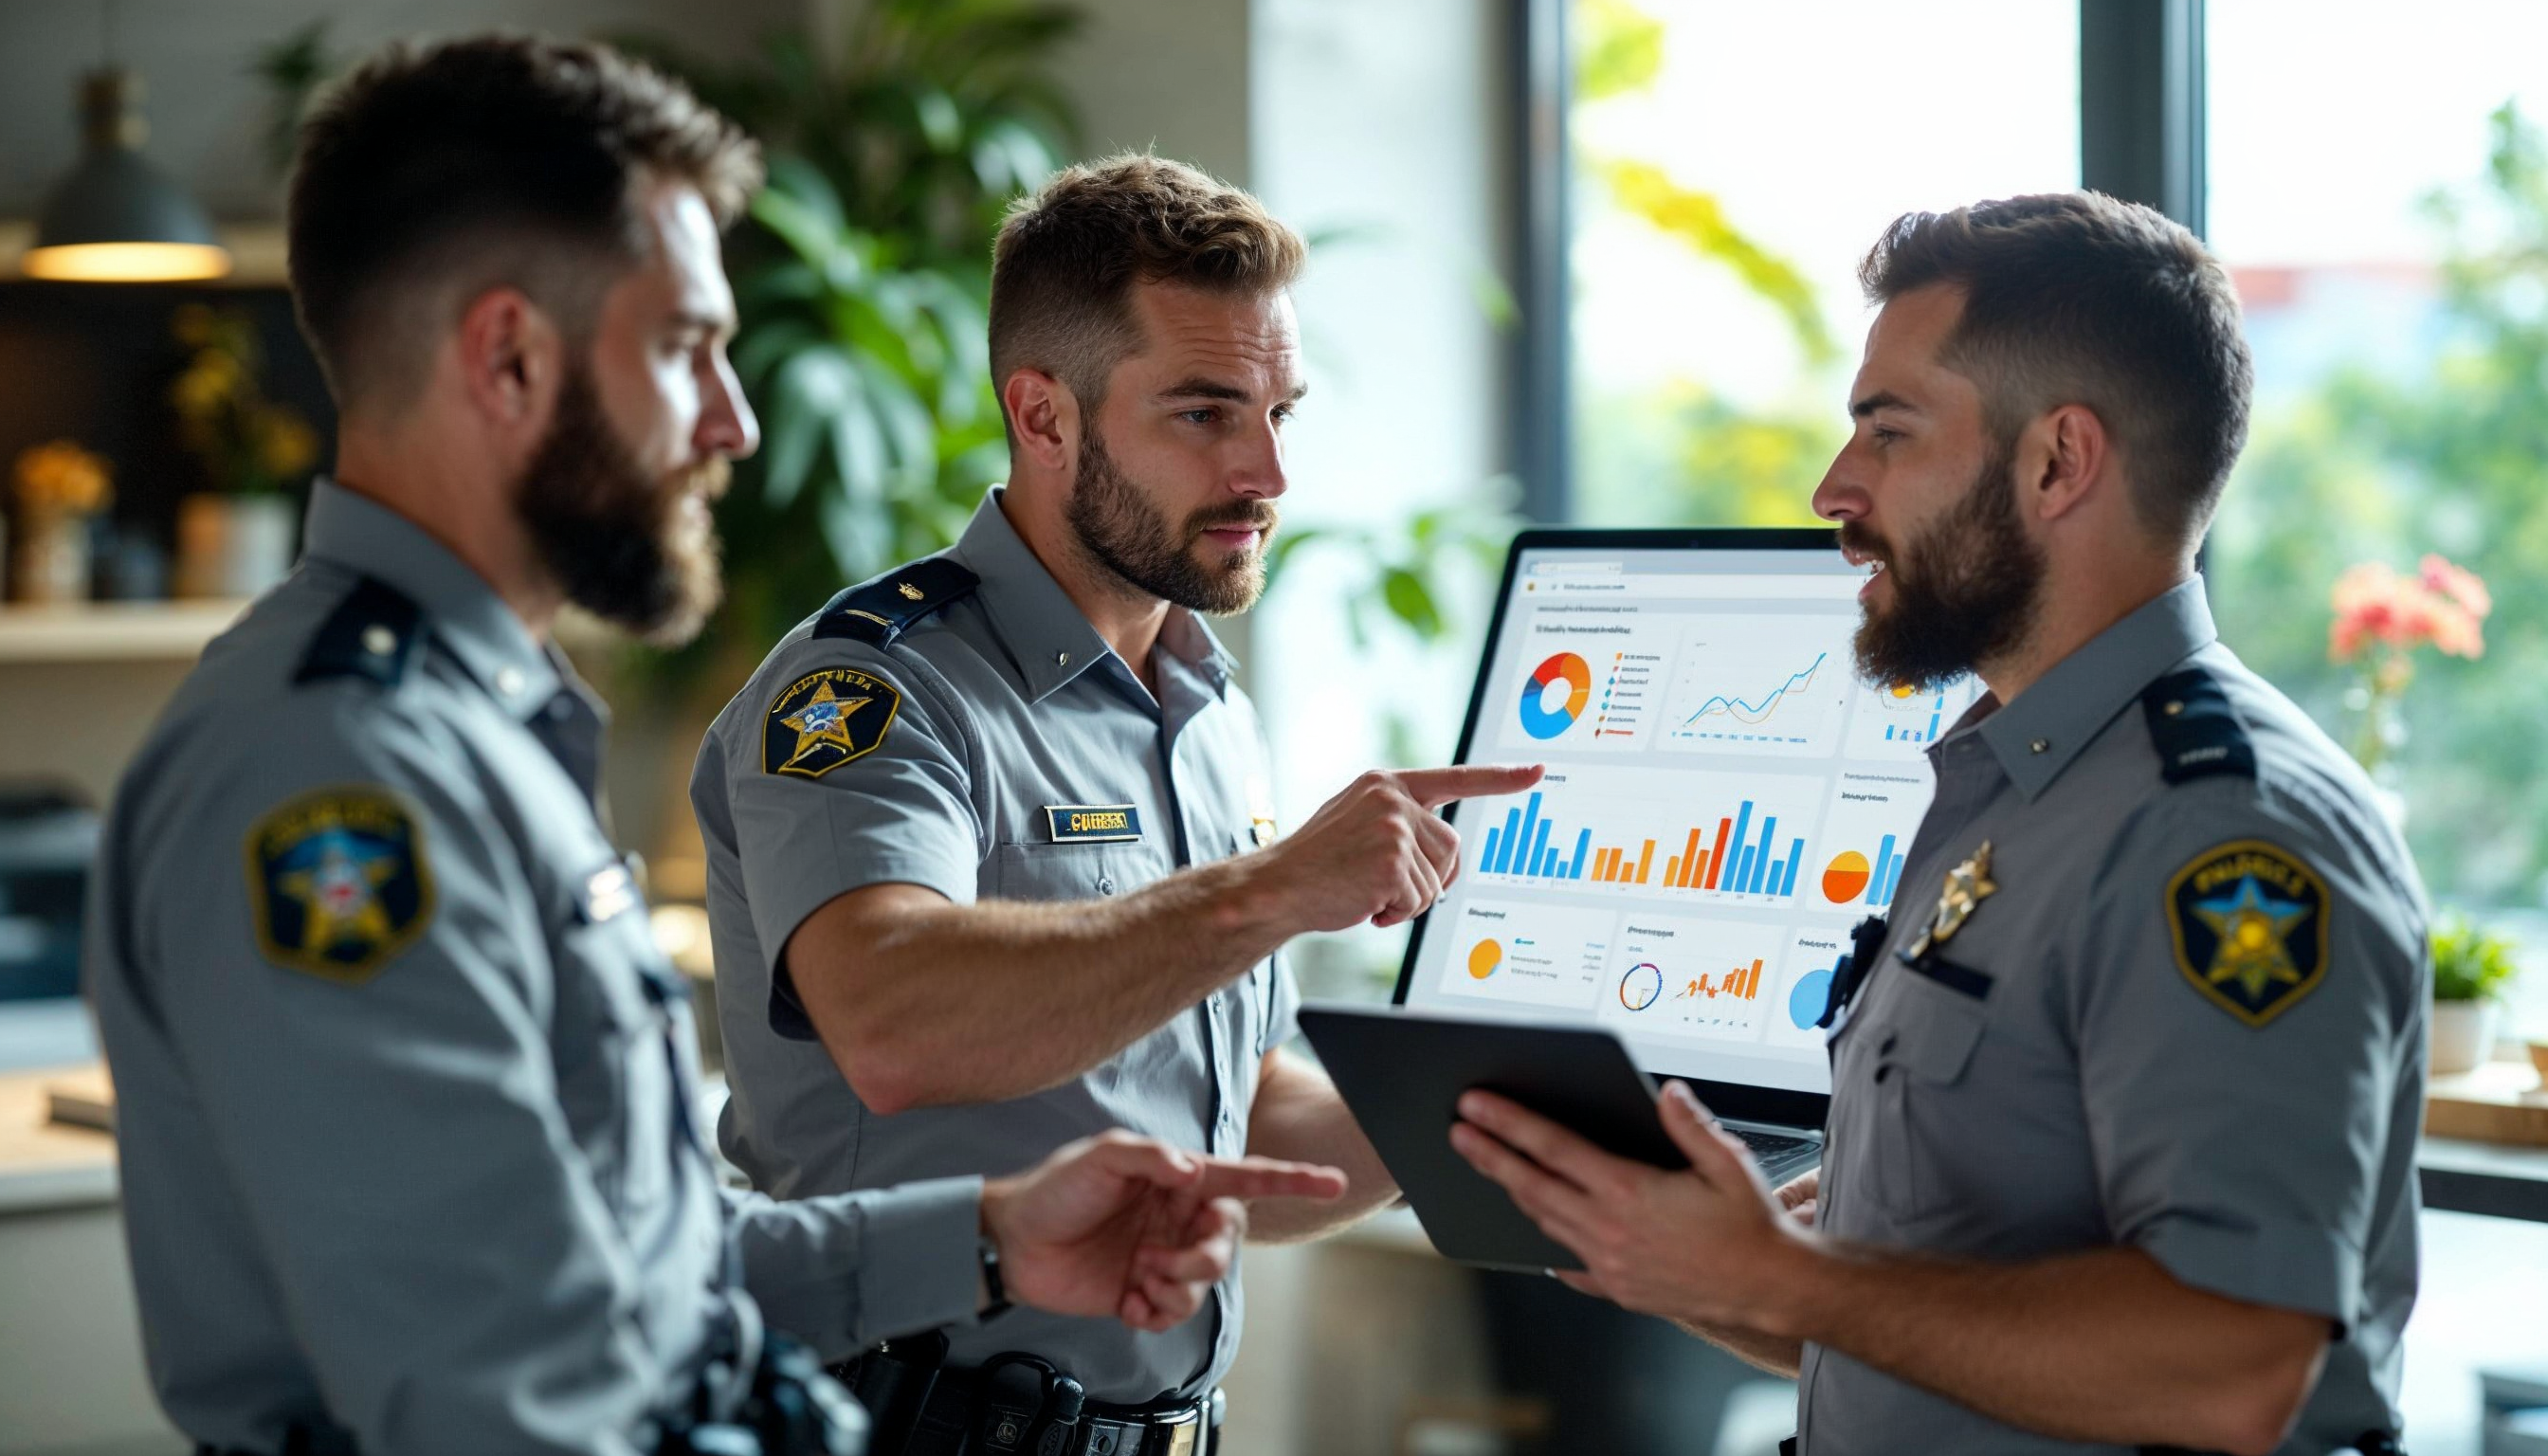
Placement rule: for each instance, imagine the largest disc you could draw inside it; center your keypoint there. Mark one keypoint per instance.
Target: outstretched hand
(1130, 1228)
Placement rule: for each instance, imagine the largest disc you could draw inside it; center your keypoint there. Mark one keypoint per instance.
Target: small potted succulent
(2471, 969)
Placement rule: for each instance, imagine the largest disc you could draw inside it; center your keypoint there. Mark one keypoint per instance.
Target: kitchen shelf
(112, 631)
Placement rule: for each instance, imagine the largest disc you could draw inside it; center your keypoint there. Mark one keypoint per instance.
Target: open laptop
(1724, 800)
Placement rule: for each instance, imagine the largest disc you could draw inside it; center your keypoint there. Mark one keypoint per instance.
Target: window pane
(1733, 164)
(2380, 193)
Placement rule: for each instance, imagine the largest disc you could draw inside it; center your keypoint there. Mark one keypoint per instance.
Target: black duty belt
(1012, 1406)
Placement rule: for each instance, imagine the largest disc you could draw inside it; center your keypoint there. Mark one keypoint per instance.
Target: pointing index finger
(1434, 787)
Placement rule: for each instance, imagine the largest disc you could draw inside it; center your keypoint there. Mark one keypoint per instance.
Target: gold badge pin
(909, 590)
(1967, 885)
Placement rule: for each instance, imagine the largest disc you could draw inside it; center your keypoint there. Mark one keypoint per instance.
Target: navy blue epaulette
(2195, 733)
(373, 633)
(879, 610)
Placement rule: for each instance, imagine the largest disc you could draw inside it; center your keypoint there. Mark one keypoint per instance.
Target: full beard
(623, 544)
(1131, 539)
(1966, 592)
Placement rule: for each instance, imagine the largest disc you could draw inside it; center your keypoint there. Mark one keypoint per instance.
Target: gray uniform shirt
(996, 750)
(401, 1080)
(2189, 1020)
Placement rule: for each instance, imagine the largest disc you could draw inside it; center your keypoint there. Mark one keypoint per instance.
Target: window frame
(2141, 87)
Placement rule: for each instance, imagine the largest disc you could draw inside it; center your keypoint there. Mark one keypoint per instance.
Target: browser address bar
(1834, 588)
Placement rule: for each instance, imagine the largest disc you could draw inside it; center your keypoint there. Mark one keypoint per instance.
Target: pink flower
(2462, 586)
(2441, 605)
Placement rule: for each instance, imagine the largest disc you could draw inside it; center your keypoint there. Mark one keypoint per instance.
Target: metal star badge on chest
(1967, 885)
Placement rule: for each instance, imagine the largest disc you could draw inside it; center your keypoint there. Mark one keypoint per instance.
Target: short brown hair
(483, 162)
(2077, 298)
(1063, 268)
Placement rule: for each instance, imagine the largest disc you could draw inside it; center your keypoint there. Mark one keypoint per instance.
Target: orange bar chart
(1612, 866)
(1743, 983)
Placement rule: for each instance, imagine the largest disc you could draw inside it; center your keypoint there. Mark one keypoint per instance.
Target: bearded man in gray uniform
(403, 1087)
(2125, 1099)
(992, 859)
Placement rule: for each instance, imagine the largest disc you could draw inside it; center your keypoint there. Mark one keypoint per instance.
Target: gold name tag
(1093, 823)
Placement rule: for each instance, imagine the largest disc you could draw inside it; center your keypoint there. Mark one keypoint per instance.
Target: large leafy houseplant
(898, 131)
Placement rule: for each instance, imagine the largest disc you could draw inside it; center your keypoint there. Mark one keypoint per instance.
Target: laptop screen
(1724, 800)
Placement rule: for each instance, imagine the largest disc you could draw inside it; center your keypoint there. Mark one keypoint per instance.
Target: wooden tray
(2499, 1102)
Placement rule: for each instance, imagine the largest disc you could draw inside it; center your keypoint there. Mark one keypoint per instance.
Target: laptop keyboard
(1766, 1146)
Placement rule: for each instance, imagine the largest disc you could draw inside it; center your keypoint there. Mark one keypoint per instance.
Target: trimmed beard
(620, 542)
(1968, 592)
(1127, 536)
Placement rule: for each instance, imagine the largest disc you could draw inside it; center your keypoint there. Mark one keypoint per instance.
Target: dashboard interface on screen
(1724, 800)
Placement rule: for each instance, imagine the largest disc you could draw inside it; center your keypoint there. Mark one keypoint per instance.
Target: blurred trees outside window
(1733, 164)
(2394, 270)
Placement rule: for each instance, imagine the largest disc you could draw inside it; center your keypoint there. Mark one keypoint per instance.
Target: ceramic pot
(2463, 1036)
(233, 546)
(49, 562)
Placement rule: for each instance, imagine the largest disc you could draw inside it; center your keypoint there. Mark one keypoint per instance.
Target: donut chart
(1641, 986)
(1538, 719)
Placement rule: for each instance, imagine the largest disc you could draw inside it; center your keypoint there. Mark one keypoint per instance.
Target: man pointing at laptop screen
(2124, 1099)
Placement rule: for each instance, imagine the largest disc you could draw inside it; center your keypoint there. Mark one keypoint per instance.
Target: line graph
(1755, 713)
(1759, 686)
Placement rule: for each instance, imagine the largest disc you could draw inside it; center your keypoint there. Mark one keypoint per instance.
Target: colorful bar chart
(1739, 858)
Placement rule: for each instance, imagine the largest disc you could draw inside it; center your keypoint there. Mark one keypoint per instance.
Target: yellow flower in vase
(61, 479)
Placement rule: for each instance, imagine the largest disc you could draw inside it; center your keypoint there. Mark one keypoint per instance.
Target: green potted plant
(2471, 969)
(235, 539)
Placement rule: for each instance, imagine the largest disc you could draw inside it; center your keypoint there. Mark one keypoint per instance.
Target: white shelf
(112, 631)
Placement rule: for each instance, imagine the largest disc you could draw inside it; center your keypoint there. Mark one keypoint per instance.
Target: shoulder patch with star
(337, 882)
(826, 719)
(2248, 920)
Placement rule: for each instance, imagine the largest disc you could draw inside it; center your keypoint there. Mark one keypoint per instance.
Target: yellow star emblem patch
(2249, 925)
(337, 882)
(825, 719)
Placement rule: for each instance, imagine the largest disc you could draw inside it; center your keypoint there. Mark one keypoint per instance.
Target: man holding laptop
(2124, 1099)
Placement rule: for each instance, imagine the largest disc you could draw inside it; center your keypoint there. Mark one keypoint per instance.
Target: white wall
(1388, 120)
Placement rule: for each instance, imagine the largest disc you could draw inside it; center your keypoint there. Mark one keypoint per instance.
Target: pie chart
(1806, 1002)
(1539, 718)
(1484, 957)
(1845, 878)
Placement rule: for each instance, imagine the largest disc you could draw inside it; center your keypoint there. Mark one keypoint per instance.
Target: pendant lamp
(116, 218)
